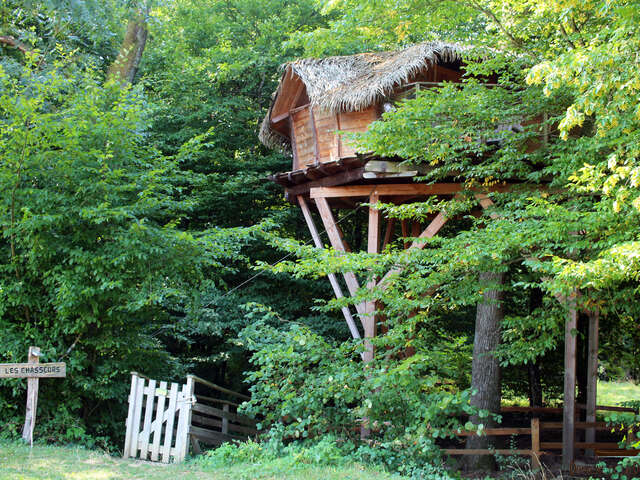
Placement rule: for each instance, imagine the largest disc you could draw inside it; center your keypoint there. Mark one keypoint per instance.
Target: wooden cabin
(319, 101)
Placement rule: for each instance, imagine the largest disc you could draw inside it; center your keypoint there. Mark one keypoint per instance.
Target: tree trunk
(125, 66)
(485, 369)
(533, 368)
(535, 385)
(582, 360)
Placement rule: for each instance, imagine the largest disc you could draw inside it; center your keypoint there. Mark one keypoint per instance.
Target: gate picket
(168, 434)
(157, 425)
(148, 413)
(137, 413)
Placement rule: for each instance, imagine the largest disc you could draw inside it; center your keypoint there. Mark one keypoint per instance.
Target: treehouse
(316, 105)
(320, 101)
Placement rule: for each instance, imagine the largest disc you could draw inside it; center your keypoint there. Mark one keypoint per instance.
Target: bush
(307, 387)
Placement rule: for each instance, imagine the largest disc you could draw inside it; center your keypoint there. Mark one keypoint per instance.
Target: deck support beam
(592, 376)
(432, 229)
(569, 408)
(373, 246)
(332, 278)
(337, 243)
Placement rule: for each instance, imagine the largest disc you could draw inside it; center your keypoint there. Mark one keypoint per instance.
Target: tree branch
(577, 30)
(12, 42)
(566, 37)
(489, 13)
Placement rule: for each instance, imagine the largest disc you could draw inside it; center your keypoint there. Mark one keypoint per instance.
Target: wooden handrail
(497, 432)
(579, 406)
(216, 400)
(602, 426)
(582, 406)
(218, 387)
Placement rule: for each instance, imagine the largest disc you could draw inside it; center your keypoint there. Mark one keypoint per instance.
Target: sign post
(33, 371)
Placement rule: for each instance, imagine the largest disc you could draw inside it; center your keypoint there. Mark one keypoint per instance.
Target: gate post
(184, 420)
(130, 416)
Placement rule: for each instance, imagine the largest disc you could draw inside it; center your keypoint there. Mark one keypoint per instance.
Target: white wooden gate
(159, 419)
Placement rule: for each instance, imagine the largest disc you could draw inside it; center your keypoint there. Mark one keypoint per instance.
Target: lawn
(18, 462)
(609, 393)
(613, 393)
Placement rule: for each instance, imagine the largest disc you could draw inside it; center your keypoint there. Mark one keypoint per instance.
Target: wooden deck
(540, 438)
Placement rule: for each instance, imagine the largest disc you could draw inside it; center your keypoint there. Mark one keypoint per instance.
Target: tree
(93, 259)
(486, 386)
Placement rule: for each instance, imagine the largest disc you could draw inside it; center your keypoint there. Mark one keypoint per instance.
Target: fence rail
(537, 428)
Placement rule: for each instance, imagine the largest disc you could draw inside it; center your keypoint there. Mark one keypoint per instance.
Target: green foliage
(92, 256)
(304, 386)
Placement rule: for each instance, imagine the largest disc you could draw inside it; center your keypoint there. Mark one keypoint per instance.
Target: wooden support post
(195, 445)
(415, 229)
(186, 400)
(225, 418)
(432, 229)
(332, 278)
(535, 444)
(337, 243)
(129, 428)
(405, 232)
(388, 234)
(373, 246)
(592, 376)
(32, 399)
(569, 408)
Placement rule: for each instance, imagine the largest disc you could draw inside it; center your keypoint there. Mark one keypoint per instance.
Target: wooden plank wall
(315, 139)
(303, 132)
(355, 122)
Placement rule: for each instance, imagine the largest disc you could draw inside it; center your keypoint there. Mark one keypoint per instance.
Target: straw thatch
(354, 82)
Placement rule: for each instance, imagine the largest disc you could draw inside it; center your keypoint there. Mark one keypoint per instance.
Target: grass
(613, 393)
(19, 462)
(609, 393)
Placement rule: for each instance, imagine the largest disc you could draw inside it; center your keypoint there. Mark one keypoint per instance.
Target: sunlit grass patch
(18, 462)
(614, 393)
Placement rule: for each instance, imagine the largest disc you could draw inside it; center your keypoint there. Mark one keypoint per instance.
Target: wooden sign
(33, 371)
(30, 370)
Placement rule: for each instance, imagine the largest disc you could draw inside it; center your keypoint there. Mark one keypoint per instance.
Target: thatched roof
(354, 82)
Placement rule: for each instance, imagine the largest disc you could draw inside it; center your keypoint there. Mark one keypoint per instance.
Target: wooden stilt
(415, 229)
(336, 242)
(405, 231)
(388, 234)
(592, 376)
(568, 424)
(373, 246)
(432, 229)
(332, 278)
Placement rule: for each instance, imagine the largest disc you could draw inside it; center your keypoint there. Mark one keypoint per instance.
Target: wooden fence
(538, 448)
(165, 418)
(215, 421)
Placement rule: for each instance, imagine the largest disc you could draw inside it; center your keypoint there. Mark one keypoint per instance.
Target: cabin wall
(302, 138)
(314, 138)
(355, 122)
